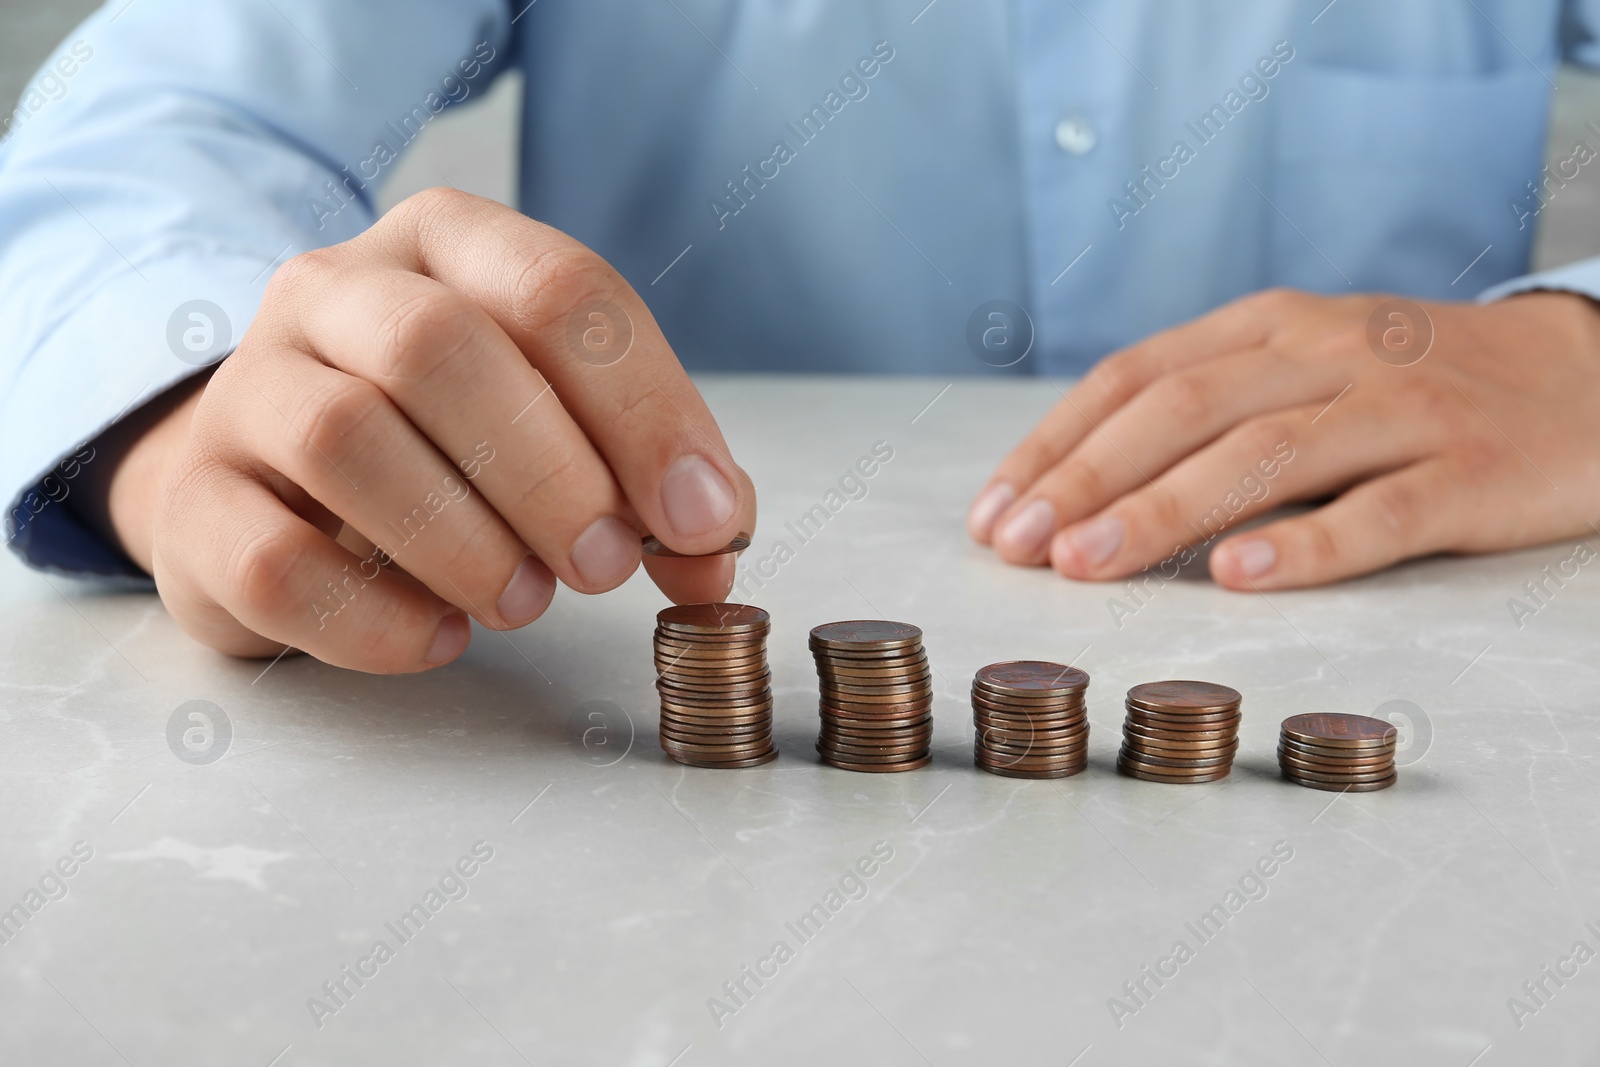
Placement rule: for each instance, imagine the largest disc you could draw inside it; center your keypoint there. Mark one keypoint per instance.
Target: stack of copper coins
(1030, 718)
(1182, 732)
(716, 700)
(877, 695)
(1353, 753)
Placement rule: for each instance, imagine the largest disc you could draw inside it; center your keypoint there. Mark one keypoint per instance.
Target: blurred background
(474, 147)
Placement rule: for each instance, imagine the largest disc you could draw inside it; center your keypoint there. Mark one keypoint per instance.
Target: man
(806, 186)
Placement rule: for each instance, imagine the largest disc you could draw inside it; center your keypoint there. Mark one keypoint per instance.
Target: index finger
(582, 326)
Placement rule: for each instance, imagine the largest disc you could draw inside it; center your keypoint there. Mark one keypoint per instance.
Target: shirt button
(1075, 135)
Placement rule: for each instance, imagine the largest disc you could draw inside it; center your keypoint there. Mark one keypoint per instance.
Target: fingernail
(1029, 529)
(606, 553)
(990, 503)
(1254, 557)
(1097, 541)
(450, 640)
(695, 496)
(527, 594)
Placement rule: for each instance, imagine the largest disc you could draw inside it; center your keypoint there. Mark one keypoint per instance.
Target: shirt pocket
(1387, 182)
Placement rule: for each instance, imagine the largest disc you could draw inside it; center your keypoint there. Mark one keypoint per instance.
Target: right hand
(423, 387)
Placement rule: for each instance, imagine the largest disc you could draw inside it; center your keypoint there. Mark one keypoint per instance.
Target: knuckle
(1276, 300)
(1320, 546)
(1398, 509)
(330, 422)
(307, 271)
(557, 280)
(551, 472)
(1085, 482)
(420, 334)
(1162, 507)
(1117, 376)
(1264, 437)
(1185, 395)
(431, 205)
(265, 572)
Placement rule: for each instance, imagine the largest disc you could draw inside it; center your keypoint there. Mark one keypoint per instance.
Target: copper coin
(717, 731)
(879, 768)
(867, 746)
(727, 723)
(1289, 759)
(690, 674)
(879, 633)
(709, 658)
(709, 649)
(903, 683)
(1025, 707)
(1300, 775)
(1206, 721)
(721, 752)
(652, 546)
(1339, 731)
(1078, 714)
(869, 755)
(1146, 776)
(1032, 763)
(744, 744)
(754, 761)
(868, 708)
(1012, 772)
(1329, 752)
(706, 703)
(680, 705)
(1030, 676)
(1008, 728)
(1146, 759)
(1184, 695)
(1131, 729)
(713, 618)
(857, 675)
(1349, 787)
(1179, 744)
(869, 752)
(878, 722)
(1059, 741)
(1137, 760)
(741, 680)
(1014, 734)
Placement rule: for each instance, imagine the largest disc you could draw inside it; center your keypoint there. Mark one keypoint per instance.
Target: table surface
(624, 895)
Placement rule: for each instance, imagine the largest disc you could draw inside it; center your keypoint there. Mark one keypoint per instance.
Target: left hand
(1491, 441)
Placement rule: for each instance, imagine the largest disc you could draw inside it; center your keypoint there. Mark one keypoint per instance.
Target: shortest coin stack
(1338, 752)
(877, 695)
(716, 700)
(1030, 719)
(1181, 732)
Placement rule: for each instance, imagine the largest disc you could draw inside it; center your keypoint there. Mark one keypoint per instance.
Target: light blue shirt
(812, 185)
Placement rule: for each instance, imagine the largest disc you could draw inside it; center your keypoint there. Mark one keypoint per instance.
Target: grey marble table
(548, 888)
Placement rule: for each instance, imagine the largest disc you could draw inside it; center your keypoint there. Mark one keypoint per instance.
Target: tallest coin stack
(716, 696)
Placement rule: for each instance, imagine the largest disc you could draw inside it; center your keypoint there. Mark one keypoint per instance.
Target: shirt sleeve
(150, 185)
